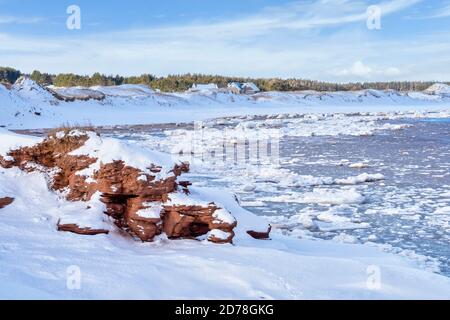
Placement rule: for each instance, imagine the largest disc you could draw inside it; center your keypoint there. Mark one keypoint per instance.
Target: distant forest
(179, 83)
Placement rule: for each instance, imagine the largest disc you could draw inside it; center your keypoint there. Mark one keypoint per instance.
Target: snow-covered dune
(76, 93)
(125, 90)
(439, 89)
(27, 105)
(30, 91)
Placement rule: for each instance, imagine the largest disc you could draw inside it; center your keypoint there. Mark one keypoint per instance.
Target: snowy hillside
(439, 89)
(30, 91)
(27, 105)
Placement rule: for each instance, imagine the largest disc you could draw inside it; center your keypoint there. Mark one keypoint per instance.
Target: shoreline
(29, 106)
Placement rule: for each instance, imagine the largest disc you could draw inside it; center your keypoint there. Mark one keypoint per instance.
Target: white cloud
(19, 20)
(360, 70)
(278, 41)
(297, 15)
(441, 13)
(434, 12)
(392, 72)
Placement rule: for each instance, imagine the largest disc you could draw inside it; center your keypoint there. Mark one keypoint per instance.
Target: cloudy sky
(315, 39)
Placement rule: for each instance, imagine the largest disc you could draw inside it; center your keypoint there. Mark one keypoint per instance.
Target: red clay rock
(73, 228)
(193, 221)
(260, 235)
(52, 153)
(123, 191)
(217, 240)
(145, 228)
(5, 202)
(181, 168)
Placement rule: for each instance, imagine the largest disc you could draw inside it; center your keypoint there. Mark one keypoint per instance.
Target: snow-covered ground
(27, 105)
(37, 261)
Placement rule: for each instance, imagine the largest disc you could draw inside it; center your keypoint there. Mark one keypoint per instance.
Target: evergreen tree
(9, 75)
(178, 83)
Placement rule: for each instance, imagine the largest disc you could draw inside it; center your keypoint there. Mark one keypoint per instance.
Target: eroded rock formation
(140, 202)
(260, 235)
(78, 230)
(5, 202)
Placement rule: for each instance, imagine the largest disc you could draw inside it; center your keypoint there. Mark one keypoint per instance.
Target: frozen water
(396, 170)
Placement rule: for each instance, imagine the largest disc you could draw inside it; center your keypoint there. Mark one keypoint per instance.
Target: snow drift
(439, 89)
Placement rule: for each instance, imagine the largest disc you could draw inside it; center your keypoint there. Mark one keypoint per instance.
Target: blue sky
(315, 39)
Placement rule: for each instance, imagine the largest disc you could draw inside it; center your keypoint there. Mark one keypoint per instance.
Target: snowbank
(108, 150)
(10, 141)
(125, 91)
(30, 91)
(439, 89)
(77, 93)
(37, 262)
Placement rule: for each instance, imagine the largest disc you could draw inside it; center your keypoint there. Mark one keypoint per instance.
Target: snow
(78, 93)
(27, 89)
(27, 105)
(222, 215)
(362, 178)
(330, 221)
(438, 89)
(345, 238)
(444, 211)
(35, 257)
(198, 198)
(125, 91)
(246, 220)
(250, 86)
(142, 178)
(235, 85)
(210, 138)
(85, 215)
(336, 197)
(358, 165)
(36, 263)
(153, 211)
(108, 150)
(219, 234)
(204, 87)
(11, 141)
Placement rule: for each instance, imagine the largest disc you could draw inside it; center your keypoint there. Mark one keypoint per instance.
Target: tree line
(179, 83)
(9, 75)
